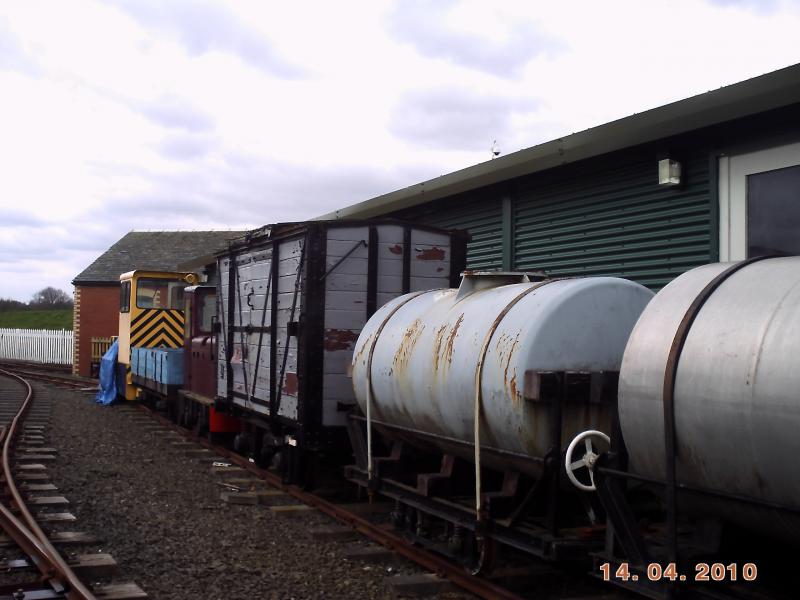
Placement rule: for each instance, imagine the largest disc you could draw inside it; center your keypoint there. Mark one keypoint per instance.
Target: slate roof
(154, 251)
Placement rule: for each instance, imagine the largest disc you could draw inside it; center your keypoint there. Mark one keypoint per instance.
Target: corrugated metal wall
(617, 221)
(605, 216)
(481, 215)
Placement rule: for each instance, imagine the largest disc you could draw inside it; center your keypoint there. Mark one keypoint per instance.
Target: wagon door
(245, 319)
(288, 306)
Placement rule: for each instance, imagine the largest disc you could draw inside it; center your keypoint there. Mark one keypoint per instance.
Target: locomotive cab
(150, 316)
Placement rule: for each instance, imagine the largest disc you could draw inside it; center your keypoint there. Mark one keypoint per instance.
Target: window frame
(167, 281)
(125, 296)
(732, 190)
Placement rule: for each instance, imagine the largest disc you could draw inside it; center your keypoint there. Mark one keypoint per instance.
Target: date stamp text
(702, 572)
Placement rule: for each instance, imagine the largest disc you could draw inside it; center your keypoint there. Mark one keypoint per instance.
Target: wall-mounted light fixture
(669, 172)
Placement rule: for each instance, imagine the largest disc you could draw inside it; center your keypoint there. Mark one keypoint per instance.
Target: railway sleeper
(88, 566)
(35, 457)
(334, 533)
(113, 591)
(419, 585)
(371, 554)
(59, 538)
(118, 591)
(47, 501)
(55, 517)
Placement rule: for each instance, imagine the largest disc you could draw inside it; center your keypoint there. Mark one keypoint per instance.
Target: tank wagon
(292, 300)
(475, 392)
(702, 472)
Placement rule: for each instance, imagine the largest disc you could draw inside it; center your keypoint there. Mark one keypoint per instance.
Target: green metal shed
(591, 203)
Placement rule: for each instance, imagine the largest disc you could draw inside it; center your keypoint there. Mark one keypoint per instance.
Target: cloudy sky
(149, 115)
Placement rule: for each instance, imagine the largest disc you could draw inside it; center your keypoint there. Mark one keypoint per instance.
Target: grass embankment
(60, 318)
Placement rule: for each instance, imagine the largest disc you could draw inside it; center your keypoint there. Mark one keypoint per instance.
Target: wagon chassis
(527, 514)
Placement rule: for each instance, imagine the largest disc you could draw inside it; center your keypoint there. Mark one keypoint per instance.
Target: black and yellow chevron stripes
(157, 328)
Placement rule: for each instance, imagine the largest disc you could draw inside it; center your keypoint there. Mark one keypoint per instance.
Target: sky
(169, 114)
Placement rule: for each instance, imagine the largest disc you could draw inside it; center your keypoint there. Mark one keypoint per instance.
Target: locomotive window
(773, 212)
(125, 297)
(160, 293)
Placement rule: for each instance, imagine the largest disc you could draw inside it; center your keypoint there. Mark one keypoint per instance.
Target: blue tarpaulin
(108, 369)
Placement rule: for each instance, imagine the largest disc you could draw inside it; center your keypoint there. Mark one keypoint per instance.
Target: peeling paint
(339, 339)
(431, 254)
(290, 384)
(396, 249)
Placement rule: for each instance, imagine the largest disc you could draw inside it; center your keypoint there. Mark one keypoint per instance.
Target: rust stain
(396, 249)
(451, 337)
(364, 347)
(339, 339)
(437, 345)
(290, 384)
(410, 338)
(505, 350)
(431, 254)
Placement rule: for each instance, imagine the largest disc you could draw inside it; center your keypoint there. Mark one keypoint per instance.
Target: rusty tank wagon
(469, 397)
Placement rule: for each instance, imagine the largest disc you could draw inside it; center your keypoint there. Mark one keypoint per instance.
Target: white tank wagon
(421, 353)
(736, 400)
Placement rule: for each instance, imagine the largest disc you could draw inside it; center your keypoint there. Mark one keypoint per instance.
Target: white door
(759, 196)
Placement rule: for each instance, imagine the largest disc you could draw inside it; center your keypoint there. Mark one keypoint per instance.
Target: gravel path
(162, 519)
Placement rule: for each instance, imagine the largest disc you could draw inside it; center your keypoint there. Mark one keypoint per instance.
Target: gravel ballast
(161, 517)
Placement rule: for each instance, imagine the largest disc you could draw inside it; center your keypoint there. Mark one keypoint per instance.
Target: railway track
(504, 584)
(436, 565)
(56, 374)
(22, 436)
(511, 582)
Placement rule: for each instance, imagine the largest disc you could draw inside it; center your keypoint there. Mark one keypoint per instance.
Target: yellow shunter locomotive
(150, 315)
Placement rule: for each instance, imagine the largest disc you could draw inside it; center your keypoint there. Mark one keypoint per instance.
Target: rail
(26, 531)
(29, 370)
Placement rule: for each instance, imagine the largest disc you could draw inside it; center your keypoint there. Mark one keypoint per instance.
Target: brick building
(96, 294)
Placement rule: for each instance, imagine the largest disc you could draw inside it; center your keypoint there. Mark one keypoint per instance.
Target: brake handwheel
(588, 440)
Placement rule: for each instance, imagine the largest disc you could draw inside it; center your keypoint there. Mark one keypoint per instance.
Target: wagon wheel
(587, 440)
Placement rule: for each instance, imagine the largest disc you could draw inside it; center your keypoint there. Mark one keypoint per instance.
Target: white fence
(37, 345)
